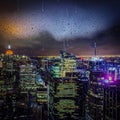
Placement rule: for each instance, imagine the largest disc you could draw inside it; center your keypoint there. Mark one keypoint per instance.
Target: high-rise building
(102, 101)
(66, 90)
(95, 97)
(66, 99)
(34, 90)
(9, 50)
(112, 101)
(27, 77)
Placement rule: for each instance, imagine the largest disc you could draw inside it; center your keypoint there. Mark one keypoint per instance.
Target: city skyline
(43, 27)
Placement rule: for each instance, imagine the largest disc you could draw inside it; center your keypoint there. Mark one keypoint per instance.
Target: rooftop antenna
(95, 49)
(9, 45)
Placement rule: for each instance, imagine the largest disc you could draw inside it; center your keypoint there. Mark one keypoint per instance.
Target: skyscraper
(9, 50)
(95, 97)
(66, 90)
(112, 101)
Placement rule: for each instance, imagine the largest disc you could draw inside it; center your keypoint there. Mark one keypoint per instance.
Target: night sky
(43, 27)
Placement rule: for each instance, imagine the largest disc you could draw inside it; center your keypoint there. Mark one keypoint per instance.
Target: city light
(95, 59)
(109, 79)
(59, 60)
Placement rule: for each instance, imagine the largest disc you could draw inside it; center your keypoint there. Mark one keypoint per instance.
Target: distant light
(102, 78)
(96, 59)
(81, 58)
(23, 56)
(9, 46)
(106, 81)
(112, 68)
(9, 52)
(110, 78)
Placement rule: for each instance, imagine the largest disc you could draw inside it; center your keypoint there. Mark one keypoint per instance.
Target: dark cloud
(45, 44)
(108, 41)
(8, 6)
(109, 36)
(86, 20)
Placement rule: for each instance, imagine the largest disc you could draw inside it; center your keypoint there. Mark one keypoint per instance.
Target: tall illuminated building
(64, 99)
(27, 77)
(66, 94)
(8, 86)
(95, 97)
(102, 101)
(95, 94)
(9, 50)
(112, 94)
(95, 49)
(112, 101)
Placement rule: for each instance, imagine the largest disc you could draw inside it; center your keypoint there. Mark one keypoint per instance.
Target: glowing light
(112, 68)
(106, 81)
(18, 28)
(96, 59)
(9, 52)
(110, 78)
(9, 46)
(102, 78)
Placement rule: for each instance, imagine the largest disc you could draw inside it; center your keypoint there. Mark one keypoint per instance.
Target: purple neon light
(109, 79)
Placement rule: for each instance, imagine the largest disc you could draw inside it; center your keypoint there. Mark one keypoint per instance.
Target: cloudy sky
(43, 27)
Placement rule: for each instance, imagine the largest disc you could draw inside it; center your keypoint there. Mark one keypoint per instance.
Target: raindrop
(68, 23)
(32, 28)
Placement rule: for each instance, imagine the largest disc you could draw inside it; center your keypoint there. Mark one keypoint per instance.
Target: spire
(9, 51)
(9, 45)
(95, 50)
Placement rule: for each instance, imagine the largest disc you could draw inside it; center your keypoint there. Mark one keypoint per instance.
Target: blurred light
(110, 78)
(9, 46)
(106, 81)
(9, 52)
(96, 59)
(102, 78)
(23, 56)
(112, 68)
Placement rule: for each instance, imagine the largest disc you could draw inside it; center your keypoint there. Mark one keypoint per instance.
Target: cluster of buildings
(65, 87)
(102, 100)
(23, 92)
(90, 86)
